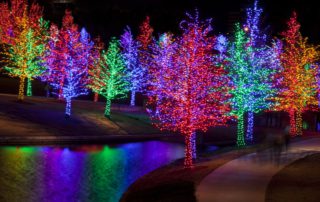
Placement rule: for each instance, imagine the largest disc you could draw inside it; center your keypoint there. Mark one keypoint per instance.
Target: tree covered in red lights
(189, 93)
(11, 15)
(144, 40)
(145, 34)
(299, 84)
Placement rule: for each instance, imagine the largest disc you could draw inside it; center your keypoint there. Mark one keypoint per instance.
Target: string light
(136, 73)
(145, 35)
(298, 85)
(144, 40)
(69, 60)
(24, 33)
(188, 92)
(94, 69)
(252, 66)
(109, 78)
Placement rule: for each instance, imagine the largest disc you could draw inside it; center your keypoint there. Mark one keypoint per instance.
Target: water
(82, 173)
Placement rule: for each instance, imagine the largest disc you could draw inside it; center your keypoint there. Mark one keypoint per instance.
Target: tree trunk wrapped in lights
(21, 88)
(240, 130)
(187, 90)
(298, 87)
(29, 87)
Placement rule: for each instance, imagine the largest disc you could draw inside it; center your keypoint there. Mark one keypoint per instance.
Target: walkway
(246, 179)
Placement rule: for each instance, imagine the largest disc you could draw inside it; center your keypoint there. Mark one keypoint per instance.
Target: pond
(79, 173)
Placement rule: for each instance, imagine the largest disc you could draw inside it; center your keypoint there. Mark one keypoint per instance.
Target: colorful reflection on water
(82, 173)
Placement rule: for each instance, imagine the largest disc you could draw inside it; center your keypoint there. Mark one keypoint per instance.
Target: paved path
(246, 179)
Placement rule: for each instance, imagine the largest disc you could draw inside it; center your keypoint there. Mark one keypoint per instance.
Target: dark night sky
(109, 17)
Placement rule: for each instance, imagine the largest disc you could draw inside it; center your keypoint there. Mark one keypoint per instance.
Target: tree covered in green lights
(109, 80)
(251, 71)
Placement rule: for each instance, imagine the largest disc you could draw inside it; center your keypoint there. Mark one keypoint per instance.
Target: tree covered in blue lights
(136, 73)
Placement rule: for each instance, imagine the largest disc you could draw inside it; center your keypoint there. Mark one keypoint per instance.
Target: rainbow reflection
(79, 173)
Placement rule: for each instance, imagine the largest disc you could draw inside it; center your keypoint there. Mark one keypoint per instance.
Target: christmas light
(24, 33)
(51, 58)
(144, 50)
(136, 73)
(188, 92)
(95, 67)
(110, 79)
(298, 85)
(69, 58)
(145, 35)
(252, 67)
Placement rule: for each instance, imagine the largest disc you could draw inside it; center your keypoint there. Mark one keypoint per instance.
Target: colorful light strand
(24, 33)
(136, 73)
(68, 60)
(298, 86)
(110, 78)
(188, 92)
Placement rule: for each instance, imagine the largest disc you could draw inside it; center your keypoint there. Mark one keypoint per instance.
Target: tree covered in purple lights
(136, 73)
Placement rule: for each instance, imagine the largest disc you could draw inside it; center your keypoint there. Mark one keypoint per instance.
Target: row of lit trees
(67, 59)
(193, 87)
(23, 36)
(193, 81)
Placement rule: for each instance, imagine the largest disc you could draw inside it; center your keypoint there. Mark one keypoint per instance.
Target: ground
(299, 181)
(41, 120)
(175, 183)
(38, 119)
(237, 175)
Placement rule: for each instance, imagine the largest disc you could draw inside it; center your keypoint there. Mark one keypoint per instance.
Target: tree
(70, 59)
(51, 58)
(188, 89)
(145, 35)
(109, 80)
(299, 85)
(136, 73)
(24, 33)
(252, 66)
(94, 69)
(252, 73)
(144, 50)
